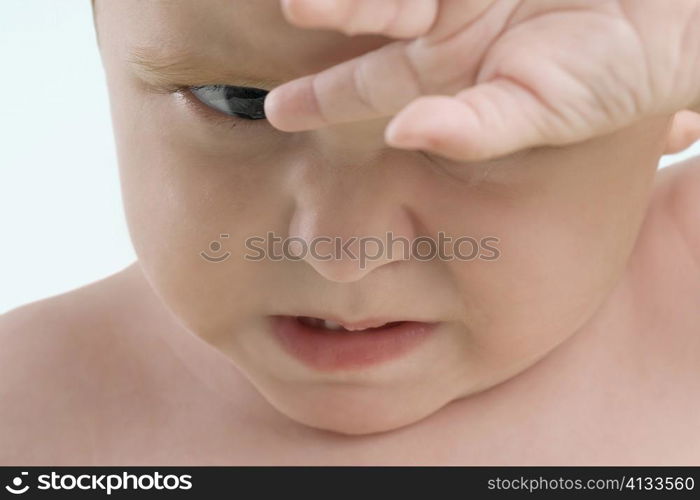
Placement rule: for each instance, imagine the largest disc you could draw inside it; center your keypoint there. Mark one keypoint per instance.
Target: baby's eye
(243, 102)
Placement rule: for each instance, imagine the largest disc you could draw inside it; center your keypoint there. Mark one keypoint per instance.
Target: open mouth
(324, 324)
(329, 345)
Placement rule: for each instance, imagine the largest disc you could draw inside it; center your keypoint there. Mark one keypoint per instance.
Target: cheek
(187, 206)
(565, 227)
(187, 241)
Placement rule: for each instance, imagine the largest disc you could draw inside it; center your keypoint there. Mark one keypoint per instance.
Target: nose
(344, 247)
(352, 214)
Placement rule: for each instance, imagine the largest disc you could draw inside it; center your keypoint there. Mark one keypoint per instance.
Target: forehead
(252, 34)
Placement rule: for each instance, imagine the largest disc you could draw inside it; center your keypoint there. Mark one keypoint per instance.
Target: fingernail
(396, 138)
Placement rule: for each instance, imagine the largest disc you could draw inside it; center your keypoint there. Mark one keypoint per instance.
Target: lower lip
(331, 350)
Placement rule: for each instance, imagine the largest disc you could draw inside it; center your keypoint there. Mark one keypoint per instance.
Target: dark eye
(243, 102)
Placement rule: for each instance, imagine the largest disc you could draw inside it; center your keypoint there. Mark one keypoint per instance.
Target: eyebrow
(168, 71)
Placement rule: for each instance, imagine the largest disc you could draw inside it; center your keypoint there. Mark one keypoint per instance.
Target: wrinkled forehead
(249, 33)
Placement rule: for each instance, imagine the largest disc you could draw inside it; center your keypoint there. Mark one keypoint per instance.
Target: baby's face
(562, 221)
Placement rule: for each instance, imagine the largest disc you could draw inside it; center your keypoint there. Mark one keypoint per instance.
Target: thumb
(492, 119)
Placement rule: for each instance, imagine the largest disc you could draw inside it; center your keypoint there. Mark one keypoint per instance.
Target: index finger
(374, 85)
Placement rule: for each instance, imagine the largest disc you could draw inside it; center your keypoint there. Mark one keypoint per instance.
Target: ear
(684, 131)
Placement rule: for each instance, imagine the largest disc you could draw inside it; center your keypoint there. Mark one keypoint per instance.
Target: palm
(485, 78)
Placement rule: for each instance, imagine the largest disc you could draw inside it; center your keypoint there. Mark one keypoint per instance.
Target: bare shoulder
(666, 265)
(679, 196)
(98, 376)
(54, 361)
(664, 274)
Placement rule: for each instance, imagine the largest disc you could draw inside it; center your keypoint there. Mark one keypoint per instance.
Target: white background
(60, 207)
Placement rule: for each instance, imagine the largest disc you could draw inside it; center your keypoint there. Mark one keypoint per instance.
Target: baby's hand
(475, 79)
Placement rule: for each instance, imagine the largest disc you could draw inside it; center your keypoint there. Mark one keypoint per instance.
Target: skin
(579, 339)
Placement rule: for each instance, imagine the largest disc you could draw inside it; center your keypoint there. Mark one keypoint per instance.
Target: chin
(355, 412)
(354, 426)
